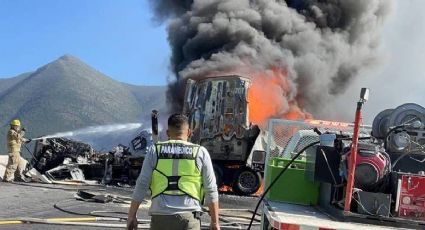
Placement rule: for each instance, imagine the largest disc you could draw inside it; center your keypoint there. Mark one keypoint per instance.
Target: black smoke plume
(321, 44)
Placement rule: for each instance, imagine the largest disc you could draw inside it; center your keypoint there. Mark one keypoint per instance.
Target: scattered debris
(101, 197)
(66, 161)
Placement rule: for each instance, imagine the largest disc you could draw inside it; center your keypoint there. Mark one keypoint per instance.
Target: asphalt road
(38, 201)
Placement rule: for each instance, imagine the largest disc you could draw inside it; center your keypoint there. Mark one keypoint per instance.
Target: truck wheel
(218, 171)
(246, 181)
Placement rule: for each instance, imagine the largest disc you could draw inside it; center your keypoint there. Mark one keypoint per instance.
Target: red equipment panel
(412, 197)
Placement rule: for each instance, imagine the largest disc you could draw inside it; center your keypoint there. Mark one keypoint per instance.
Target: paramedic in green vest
(180, 178)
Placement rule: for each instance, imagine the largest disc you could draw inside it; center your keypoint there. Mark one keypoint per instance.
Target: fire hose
(29, 152)
(276, 179)
(89, 218)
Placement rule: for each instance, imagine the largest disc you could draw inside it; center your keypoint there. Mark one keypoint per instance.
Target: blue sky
(120, 39)
(117, 38)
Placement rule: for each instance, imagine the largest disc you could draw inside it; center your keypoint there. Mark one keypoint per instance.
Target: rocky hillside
(67, 94)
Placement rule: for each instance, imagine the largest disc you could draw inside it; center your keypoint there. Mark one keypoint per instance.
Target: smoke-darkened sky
(396, 76)
(400, 76)
(314, 50)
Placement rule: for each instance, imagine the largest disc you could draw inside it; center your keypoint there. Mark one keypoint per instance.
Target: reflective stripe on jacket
(176, 172)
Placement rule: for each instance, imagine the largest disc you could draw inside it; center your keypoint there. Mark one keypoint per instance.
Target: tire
(246, 181)
(218, 171)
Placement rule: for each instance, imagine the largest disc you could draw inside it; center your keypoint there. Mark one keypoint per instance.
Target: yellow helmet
(15, 122)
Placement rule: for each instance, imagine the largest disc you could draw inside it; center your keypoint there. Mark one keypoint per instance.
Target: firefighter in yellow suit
(15, 138)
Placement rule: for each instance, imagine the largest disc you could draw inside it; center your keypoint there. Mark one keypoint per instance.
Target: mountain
(68, 94)
(6, 83)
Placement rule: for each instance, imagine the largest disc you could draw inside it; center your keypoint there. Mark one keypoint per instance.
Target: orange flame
(271, 94)
(270, 97)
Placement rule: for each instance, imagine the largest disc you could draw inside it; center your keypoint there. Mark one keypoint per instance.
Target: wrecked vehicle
(64, 160)
(218, 113)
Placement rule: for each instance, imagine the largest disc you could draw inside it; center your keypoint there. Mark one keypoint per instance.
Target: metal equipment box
(410, 202)
(292, 186)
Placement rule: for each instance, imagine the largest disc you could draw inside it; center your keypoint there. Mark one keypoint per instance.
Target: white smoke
(105, 137)
(93, 130)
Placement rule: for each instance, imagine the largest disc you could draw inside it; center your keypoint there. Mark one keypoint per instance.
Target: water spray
(93, 130)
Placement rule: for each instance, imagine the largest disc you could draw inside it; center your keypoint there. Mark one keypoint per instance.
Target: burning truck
(218, 111)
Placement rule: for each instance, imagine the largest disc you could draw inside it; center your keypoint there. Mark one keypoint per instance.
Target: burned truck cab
(218, 113)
